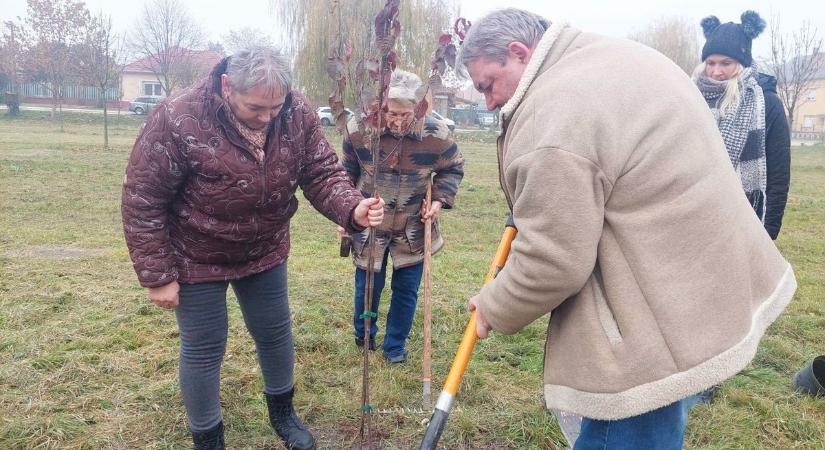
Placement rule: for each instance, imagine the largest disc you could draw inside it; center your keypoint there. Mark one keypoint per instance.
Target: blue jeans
(661, 429)
(400, 317)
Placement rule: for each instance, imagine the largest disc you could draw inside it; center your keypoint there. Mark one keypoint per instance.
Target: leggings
(203, 324)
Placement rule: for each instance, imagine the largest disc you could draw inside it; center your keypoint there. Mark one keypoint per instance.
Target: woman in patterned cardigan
(412, 152)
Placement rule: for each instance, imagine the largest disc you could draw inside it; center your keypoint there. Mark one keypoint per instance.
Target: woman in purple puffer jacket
(207, 199)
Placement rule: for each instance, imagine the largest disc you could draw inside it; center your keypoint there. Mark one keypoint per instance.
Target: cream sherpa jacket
(633, 231)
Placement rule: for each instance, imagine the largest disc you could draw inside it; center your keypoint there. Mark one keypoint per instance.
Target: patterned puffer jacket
(198, 207)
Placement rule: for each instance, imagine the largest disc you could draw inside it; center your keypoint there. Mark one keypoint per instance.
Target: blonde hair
(733, 94)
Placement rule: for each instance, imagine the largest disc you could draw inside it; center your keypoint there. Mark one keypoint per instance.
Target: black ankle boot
(286, 423)
(211, 439)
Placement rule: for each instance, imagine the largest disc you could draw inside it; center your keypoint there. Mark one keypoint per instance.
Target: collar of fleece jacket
(539, 55)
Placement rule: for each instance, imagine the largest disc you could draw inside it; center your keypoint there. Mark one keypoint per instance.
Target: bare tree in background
(675, 37)
(795, 61)
(98, 61)
(305, 29)
(11, 49)
(165, 36)
(216, 46)
(55, 29)
(246, 37)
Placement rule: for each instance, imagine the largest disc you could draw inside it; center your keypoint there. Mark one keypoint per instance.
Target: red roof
(203, 58)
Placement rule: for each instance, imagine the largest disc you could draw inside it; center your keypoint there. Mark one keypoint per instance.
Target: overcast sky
(610, 17)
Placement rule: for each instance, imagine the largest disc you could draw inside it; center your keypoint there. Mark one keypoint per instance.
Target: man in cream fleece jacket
(633, 230)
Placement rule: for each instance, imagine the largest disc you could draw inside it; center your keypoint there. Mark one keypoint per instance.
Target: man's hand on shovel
(482, 327)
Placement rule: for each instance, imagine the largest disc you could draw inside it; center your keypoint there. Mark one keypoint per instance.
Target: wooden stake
(428, 319)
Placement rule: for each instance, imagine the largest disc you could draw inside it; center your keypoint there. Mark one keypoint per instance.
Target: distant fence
(72, 94)
(807, 136)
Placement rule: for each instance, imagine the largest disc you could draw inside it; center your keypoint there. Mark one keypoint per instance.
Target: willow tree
(305, 33)
(675, 37)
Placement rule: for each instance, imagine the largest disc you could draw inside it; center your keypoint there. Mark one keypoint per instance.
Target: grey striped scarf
(743, 130)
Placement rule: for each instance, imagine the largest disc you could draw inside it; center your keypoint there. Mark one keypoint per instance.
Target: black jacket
(778, 155)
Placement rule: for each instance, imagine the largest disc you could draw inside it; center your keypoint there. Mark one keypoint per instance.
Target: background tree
(795, 60)
(11, 49)
(246, 37)
(56, 29)
(305, 31)
(675, 37)
(216, 46)
(98, 62)
(422, 24)
(165, 35)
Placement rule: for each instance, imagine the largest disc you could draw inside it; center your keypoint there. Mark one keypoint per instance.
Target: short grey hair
(256, 66)
(404, 86)
(490, 36)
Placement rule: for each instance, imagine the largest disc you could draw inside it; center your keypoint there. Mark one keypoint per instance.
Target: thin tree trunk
(105, 123)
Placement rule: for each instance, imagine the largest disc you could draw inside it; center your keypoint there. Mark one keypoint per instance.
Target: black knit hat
(732, 39)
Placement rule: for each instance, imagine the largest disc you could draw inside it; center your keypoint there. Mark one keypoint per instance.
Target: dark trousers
(203, 324)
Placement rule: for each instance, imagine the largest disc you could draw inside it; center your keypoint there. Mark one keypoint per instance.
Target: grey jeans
(203, 324)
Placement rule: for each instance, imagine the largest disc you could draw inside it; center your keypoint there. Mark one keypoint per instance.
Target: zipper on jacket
(262, 168)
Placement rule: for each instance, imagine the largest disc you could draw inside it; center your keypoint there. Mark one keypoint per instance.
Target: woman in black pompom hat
(750, 115)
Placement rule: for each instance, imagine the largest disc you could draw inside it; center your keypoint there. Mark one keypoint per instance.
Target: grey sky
(619, 18)
(610, 17)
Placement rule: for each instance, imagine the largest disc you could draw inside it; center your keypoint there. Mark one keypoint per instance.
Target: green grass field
(87, 363)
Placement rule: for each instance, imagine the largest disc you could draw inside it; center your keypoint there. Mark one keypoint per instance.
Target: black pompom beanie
(732, 39)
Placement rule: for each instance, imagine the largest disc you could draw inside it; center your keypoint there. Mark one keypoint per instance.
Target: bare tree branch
(55, 29)
(98, 62)
(11, 51)
(165, 35)
(246, 37)
(795, 61)
(675, 37)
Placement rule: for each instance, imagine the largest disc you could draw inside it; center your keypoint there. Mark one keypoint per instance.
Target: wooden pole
(428, 314)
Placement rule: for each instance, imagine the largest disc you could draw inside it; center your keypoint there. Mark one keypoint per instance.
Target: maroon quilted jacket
(197, 206)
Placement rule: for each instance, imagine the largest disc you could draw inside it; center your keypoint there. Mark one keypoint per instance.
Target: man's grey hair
(489, 37)
(404, 86)
(259, 66)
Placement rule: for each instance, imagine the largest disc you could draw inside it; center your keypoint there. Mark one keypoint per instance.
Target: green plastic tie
(367, 408)
(368, 314)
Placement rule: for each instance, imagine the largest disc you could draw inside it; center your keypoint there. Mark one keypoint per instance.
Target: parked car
(144, 104)
(325, 114)
(450, 123)
(486, 119)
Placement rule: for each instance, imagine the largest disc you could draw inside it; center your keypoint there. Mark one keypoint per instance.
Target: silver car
(144, 104)
(450, 123)
(325, 114)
